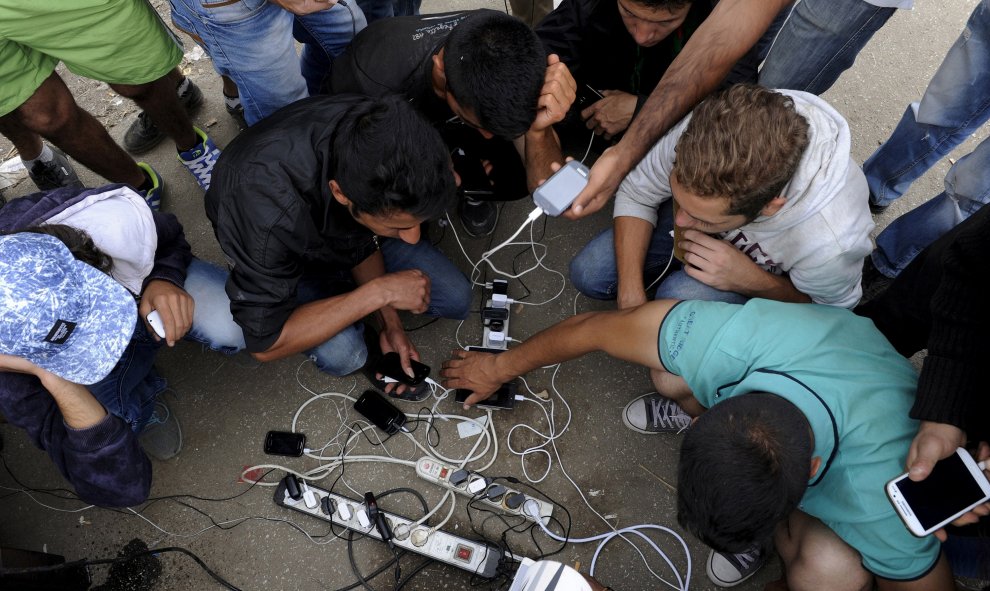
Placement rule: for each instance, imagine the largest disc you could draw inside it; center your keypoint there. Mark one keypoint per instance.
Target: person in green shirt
(801, 418)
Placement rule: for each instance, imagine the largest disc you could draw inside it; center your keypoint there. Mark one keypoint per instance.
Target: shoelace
(666, 414)
(156, 417)
(744, 560)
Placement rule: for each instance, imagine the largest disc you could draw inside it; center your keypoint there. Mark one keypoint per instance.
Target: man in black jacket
(482, 78)
(318, 208)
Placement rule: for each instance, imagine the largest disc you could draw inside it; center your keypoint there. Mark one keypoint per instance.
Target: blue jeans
(253, 42)
(955, 104)
(594, 271)
(819, 41)
(345, 352)
(967, 189)
(376, 9)
(129, 390)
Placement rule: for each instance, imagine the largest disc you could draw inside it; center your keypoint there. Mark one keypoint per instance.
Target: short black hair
(744, 467)
(495, 65)
(388, 159)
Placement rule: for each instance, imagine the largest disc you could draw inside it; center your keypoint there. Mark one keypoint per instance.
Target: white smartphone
(560, 190)
(155, 320)
(956, 485)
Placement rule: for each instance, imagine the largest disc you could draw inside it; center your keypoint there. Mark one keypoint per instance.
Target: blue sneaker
(200, 159)
(153, 196)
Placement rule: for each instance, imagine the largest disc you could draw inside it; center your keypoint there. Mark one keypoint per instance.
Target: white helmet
(548, 575)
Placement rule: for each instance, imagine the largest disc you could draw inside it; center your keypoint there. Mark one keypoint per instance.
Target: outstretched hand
(472, 370)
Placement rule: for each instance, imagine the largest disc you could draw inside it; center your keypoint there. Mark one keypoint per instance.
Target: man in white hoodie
(766, 200)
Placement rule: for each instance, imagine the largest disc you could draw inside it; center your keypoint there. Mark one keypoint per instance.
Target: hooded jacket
(819, 237)
(105, 462)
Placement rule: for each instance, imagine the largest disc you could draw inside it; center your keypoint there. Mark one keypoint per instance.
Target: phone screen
(503, 399)
(391, 365)
(559, 191)
(379, 411)
(949, 489)
(284, 443)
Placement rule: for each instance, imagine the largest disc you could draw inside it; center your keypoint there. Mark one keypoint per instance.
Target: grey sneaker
(654, 413)
(55, 174)
(162, 436)
(728, 570)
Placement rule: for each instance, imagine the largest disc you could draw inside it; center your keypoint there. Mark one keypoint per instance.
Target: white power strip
(483, 490)
(493, 339)
(475, 557)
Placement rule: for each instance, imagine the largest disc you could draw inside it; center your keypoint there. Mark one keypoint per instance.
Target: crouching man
(802, 417)
(318, 208)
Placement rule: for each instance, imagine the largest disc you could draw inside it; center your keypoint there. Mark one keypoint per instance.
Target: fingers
(926, 451)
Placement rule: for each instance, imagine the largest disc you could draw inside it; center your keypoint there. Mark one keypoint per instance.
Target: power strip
(483, 490)
(475, 557)
(495, 317)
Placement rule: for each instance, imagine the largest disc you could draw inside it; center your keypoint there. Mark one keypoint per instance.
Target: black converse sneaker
(728, 570)
(654, 413)
(144, 135)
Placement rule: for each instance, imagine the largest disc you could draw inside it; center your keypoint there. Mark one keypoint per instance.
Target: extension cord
(482, 490)
(475, 557)
(492, 339)
(498, 303)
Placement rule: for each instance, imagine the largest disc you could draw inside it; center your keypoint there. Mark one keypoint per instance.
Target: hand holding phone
(390, 366)
(558, 192)
(955, 486)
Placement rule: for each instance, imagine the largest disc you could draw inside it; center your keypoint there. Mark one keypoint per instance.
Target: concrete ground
(226, 407)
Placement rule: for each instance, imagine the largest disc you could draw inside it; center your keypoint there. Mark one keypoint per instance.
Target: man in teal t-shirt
(812, 400)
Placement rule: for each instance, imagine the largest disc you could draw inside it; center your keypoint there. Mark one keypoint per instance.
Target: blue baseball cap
(61, 314)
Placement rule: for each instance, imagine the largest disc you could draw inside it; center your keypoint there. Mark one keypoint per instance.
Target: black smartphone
(586, 96)
(374, 407)
(390, 365)
(474, 179)
(503, 399)
(285, 443)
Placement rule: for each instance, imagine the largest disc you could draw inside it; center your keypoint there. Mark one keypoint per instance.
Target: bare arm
(540, 146)
(630, 335)
(393, 336)
(733, 27)
(315, 322)
(632, 240)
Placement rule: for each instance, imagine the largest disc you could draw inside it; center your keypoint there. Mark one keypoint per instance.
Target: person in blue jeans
(814, 41)
(955, 104)
(318, 210)
(253, 43)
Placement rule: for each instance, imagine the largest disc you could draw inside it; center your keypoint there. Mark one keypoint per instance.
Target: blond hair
(743, 143)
